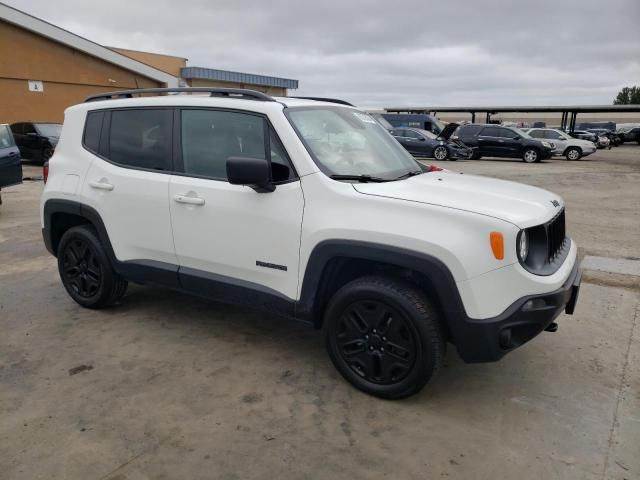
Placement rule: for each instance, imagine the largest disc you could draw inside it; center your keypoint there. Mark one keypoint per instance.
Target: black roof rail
(215, 92)
(323, 99)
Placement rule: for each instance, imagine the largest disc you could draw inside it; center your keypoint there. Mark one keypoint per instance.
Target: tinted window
(210, 137)
(469, 130)
(536, 133)
(141, 138)
(506, 133)
(397, 132)
(92, 131)
(281, 169)
(16, 128)
(551, 135)
(413, 135)
(28, 128)
(491, 132)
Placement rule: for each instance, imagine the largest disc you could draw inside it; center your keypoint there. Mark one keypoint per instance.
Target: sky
(385, 54)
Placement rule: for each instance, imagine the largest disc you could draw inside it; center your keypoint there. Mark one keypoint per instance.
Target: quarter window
(210, 137)
(92, 131)
(141, 138)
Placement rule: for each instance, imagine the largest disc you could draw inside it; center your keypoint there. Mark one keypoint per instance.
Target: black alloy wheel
(81, 269)
(85, 269)
(384, 336)
(376, 341)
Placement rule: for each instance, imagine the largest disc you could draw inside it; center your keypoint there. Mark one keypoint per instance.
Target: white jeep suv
(309, 209)
(567, 146)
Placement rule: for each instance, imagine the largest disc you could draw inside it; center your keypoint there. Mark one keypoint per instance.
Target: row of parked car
(473, 141)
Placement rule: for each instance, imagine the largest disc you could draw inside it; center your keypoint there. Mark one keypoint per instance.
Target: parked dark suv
(36, 141)
(498, 141)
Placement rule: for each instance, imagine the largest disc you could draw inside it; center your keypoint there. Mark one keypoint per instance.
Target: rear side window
(140, 138)
(413, 135)
(92, 131)
(536, 133)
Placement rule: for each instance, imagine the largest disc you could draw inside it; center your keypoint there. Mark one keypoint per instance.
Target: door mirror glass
(252, 172)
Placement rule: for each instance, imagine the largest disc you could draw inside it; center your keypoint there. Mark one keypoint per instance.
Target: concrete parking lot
(166, 386)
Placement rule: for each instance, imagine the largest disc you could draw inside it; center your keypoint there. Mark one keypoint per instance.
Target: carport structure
(567, 122)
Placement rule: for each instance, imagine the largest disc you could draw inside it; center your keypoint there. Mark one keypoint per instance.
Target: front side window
(491, 132)
(343, 141)
(28, 128)
(141, 138)
(6, 139)
(210, 137)
(412, 135)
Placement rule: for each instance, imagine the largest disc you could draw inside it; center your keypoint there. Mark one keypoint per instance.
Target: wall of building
(68, 76)
(274, 91)
(167, 63)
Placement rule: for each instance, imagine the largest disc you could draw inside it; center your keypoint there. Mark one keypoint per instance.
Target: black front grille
(556, 236)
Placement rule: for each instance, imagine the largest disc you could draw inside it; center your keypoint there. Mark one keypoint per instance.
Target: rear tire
(531, 155)
(573, 154)
(384, 336)
(85, 270)
(441, 153)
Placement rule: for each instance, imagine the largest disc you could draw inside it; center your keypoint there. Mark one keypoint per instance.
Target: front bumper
(489, 340)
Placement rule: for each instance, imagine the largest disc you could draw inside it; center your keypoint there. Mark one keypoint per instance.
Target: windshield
(343, 141)
(49, 129)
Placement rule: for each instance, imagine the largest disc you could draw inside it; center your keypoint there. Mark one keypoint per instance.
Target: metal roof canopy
(574, 110)
(237, 77)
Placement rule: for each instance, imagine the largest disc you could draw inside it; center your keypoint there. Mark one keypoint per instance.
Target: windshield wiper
(359, 178)
(409, 174)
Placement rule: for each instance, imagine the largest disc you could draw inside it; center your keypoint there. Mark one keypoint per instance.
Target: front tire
(531, 155)
(441, 153)
(573, 153)
(85, 270)
(384, 336)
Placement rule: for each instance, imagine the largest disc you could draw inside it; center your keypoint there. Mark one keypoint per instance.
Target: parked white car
(567, 146)
(309, 209)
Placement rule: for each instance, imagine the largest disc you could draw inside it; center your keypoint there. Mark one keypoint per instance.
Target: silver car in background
(567, 146)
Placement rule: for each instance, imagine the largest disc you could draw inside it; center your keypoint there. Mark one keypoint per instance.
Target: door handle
(188, 200)
(500, 141)
(12, 154)
(481, 139)
(101, 185)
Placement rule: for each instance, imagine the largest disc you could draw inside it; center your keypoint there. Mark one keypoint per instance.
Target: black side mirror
(517, 137)
(253, 172)
(422, 139)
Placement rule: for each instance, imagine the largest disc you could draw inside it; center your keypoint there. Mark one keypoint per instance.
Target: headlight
(523, 245)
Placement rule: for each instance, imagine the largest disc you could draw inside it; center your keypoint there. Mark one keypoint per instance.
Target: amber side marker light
(497, 245)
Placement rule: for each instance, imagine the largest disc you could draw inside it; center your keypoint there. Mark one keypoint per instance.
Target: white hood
(519, 204)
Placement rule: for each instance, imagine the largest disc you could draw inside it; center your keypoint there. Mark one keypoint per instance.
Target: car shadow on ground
(222, 327)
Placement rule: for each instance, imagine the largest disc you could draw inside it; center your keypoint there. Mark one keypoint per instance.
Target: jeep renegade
(311, 209)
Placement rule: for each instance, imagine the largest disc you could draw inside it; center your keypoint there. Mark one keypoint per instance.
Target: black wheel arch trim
(431, 267)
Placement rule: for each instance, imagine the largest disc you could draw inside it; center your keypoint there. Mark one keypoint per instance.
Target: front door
(489, 142)
(231, 235)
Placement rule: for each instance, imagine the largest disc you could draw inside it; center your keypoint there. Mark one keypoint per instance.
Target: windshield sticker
(364, 117)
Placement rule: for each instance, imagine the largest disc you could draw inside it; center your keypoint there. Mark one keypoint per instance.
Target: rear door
(230, 238)
(128, 181)
(10, 164)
